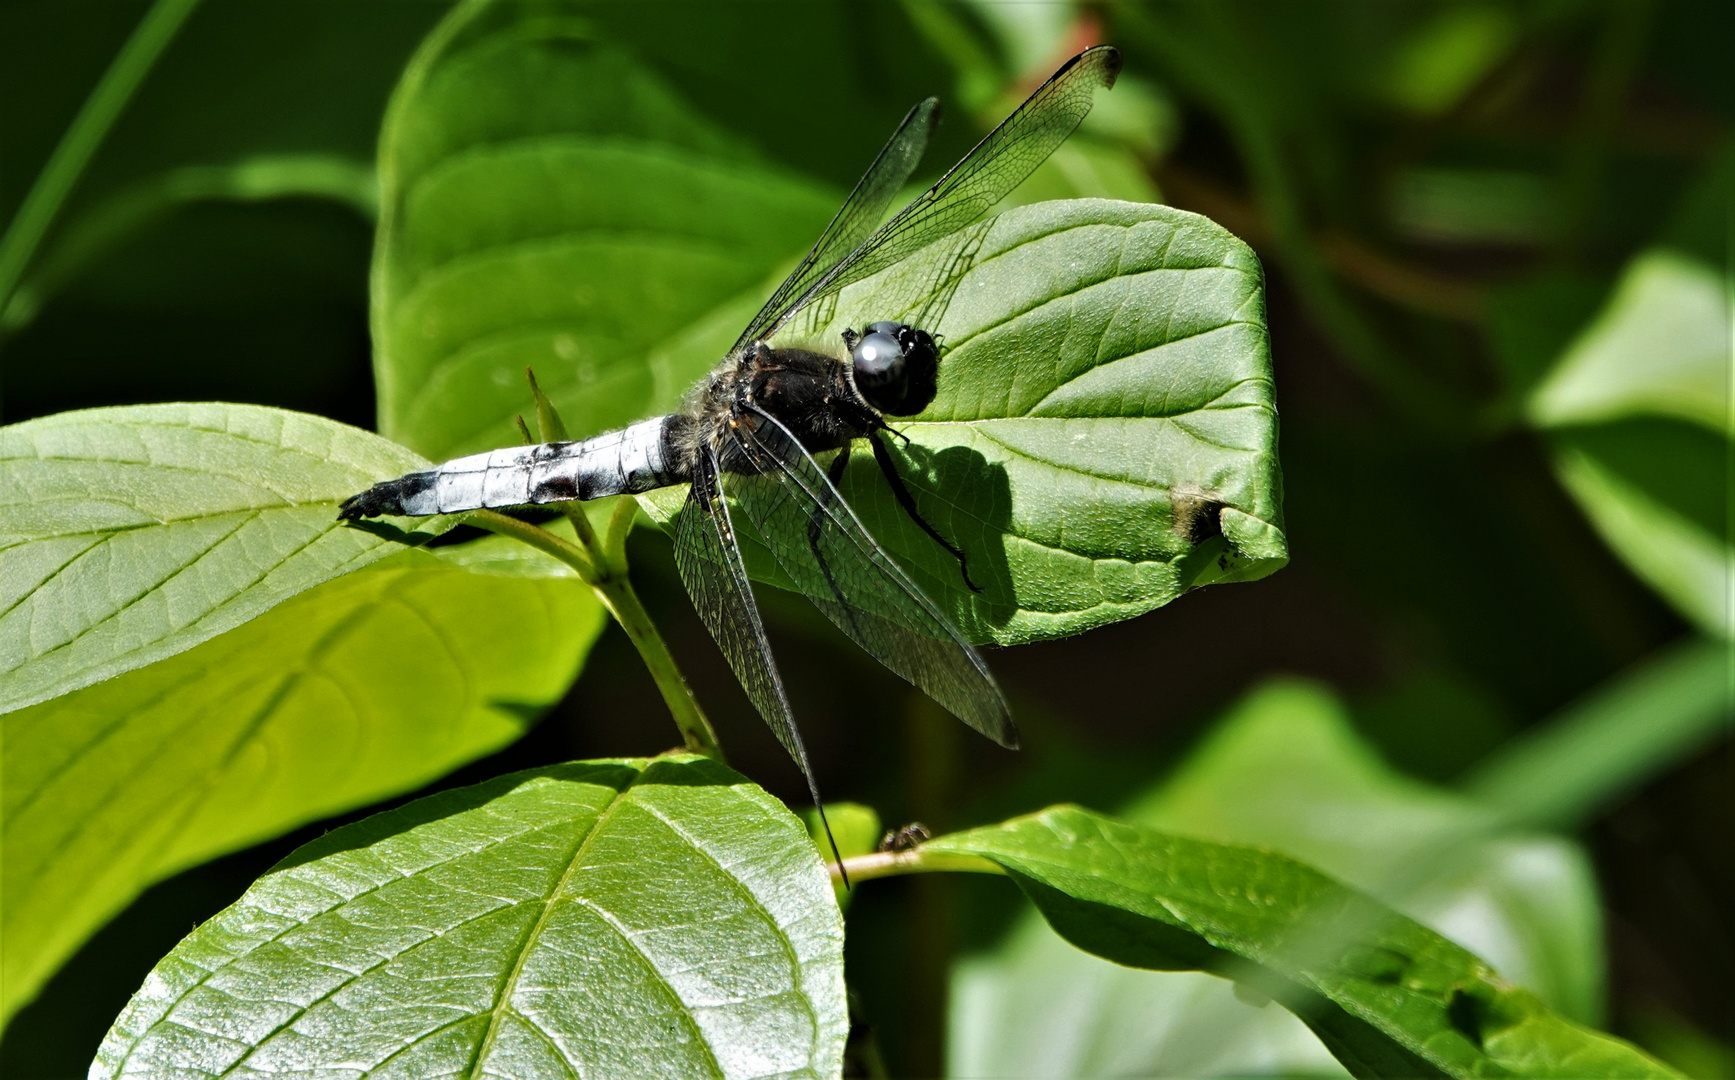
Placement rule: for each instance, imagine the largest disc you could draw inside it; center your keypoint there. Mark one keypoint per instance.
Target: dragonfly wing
(709, 560)
(855, 219)
(818, 541)
(987, 174)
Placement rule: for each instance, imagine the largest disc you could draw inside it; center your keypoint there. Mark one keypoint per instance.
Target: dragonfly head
(896, 367)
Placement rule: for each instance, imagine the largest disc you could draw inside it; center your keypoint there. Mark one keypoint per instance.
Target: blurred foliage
(1497, 237)
(1286, 770)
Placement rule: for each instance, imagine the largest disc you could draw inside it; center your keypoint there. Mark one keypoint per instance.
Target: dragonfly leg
(890, 468)
(816, 521)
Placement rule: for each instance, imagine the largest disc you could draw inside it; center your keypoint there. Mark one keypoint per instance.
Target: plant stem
(620, 523)
(540, 539)
(916, 861)
(615, 590)
(86, 133)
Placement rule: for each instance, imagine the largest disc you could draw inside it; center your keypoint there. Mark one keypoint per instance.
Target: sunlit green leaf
(1286, 770)
(547, 201)
(634, 918)
(1389, 997)
(1659, 348)
(1686, 556)
(1109, 361)
(1639, 412)
(1104, 438)
(130, 534)
(358, 689)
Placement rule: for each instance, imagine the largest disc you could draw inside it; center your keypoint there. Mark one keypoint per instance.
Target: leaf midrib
(503, 1003)
(286, 684)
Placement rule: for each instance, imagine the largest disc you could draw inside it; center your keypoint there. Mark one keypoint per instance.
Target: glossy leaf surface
(130, 534)
(632, 918)
(359, 689)
(1104, 436)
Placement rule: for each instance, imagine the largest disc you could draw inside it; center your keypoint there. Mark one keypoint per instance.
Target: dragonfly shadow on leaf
(385, 530)
(968, 500)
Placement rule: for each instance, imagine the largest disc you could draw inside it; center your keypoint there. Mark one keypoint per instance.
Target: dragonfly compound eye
(878, 360)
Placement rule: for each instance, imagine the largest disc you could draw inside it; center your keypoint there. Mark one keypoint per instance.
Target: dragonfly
(746, 437)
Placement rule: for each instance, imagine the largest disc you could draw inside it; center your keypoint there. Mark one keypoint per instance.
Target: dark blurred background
(1442, 194)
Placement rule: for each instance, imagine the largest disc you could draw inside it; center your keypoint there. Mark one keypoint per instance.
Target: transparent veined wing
(823, 548)
(856, 218)
(990, 171)
(709, 560)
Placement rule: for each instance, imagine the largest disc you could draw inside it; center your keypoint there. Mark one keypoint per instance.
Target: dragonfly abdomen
(632, 460)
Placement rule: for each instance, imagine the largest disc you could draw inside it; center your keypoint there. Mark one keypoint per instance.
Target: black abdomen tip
(369, 503)
(384, 499)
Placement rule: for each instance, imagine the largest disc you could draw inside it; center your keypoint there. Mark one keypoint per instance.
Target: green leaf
(1285, 769)
(359, 689)
(1038, 1008)
(1660, 347)
(856, 829)
(549, 202)
(1444, 58)
(1638, 409)
(130, 534)
(632, 918)
(1387, 996)
(1105, 436)
(1654, 490)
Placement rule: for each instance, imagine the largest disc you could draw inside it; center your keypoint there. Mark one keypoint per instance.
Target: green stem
(615, 590)
(540, 539)
(916, 861)
(614, 546)
(88, 129)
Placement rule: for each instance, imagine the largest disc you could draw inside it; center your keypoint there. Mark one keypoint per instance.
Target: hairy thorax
(807, 392)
